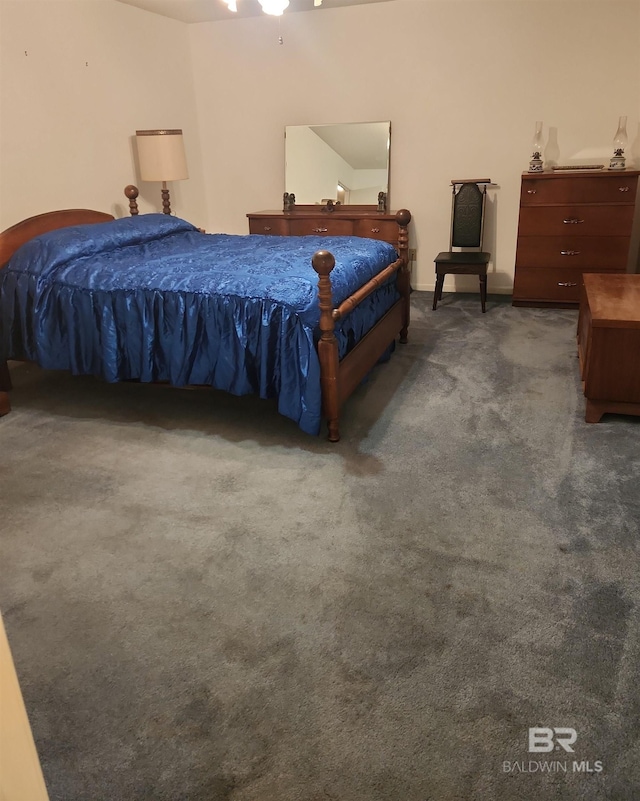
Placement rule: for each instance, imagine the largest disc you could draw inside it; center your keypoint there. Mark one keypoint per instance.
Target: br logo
(544, 739)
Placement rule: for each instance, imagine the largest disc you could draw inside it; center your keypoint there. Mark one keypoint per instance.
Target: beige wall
(463, 82)
(76, 81)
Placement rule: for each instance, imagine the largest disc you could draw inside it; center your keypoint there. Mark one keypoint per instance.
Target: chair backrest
(467, 214)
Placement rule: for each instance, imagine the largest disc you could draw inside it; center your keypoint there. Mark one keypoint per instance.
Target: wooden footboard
(339, 378)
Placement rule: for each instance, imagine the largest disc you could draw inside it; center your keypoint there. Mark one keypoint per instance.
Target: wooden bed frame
(339, 377)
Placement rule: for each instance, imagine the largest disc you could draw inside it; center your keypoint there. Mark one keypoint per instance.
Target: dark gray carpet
(206, 604)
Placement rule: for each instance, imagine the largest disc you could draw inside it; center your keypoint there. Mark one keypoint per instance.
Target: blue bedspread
(151, 298)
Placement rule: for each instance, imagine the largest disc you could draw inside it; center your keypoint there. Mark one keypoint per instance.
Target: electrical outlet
(412, 254)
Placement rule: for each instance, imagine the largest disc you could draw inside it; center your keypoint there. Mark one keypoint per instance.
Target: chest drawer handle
(375, 230)
(623, 189)
(267, 228)
(532, 191)
(567, 283)
(569, 252)
(572, 221)
(320, 230)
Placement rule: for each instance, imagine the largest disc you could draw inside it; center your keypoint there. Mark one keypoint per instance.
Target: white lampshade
(161, 155)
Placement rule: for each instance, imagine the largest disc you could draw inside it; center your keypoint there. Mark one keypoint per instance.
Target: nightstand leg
(593, 412)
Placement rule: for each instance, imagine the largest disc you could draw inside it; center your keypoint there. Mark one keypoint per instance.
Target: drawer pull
(567, 283)
(320, 230)
(375, 230)
(267, 228)
(569, 252)
(572, 221)
(623, 189)
(532, 191)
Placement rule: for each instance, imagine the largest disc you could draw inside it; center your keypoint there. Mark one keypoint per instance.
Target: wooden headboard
(18, 234)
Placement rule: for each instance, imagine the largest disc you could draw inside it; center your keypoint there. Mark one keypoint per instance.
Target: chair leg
(437, 293)
(483, 293)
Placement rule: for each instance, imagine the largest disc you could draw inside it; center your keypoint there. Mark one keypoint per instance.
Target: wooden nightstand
(609, 344)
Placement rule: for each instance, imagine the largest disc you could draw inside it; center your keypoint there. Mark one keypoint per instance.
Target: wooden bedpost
(5, 386)
(323, 262)
(403, 218)
(132, 193)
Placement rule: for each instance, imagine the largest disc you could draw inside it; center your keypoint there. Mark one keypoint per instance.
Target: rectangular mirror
(346, 163)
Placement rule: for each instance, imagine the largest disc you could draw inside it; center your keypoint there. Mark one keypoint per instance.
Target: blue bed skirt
(151, 298)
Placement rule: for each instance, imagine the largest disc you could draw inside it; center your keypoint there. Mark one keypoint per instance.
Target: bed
(152, 298)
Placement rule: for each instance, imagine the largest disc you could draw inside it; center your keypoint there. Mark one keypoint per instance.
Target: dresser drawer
(386, 230)
(601, 188)
(323, 226)
(549, 284)
(270, 226)
(571, 220)
(573, 252)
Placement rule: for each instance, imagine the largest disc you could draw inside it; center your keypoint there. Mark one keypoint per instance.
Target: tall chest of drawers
(571, 223)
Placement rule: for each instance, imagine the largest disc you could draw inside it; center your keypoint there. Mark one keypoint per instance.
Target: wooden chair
(467, 230)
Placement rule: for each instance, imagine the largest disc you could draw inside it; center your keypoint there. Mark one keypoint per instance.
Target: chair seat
(471, 263)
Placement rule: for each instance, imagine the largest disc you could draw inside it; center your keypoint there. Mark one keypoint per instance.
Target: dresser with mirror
(347, 163)
(336, 184)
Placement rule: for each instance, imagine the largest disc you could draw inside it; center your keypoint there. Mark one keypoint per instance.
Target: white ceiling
(210, 10)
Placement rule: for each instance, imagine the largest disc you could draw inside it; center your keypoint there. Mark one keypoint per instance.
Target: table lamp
(161, 158)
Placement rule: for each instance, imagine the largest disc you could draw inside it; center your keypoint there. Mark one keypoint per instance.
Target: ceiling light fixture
(273, 7)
